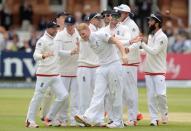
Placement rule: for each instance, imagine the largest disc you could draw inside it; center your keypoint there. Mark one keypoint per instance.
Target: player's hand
(137, 39)
(47, 54)
(75, 51)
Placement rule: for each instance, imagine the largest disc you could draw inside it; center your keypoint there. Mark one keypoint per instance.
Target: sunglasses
(115, 16)
(106, 15)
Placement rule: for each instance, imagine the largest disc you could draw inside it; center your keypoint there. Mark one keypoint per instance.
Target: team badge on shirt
(42, 84)
(161, 42)
(97, 44)
(39, 44)
(118, 32)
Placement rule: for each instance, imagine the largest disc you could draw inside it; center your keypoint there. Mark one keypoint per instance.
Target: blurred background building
(23, 21)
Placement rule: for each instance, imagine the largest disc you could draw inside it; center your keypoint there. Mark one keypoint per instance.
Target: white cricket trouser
(130, 93)
(72, 88)
(107, 77)
(46, 102)
(156, 94)
(86, 83)
(42, 84)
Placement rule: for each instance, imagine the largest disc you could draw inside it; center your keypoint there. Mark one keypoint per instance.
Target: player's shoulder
(41, 41)
(162, 37)
(101, 33)
(123, 27)
(59, 35)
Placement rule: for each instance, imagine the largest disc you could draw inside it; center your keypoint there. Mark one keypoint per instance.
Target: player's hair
(82, 26)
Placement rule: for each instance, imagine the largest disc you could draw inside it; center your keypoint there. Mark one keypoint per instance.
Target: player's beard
(151, 29)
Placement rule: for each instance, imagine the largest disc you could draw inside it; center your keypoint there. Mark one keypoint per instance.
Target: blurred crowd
(24, 37)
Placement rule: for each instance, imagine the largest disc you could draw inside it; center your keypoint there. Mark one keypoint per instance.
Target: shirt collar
(158, 32)
(126, 19)
(48, 35)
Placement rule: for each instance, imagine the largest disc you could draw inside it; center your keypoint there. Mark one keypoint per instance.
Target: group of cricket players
(87, 72)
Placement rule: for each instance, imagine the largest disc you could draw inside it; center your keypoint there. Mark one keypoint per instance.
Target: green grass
(14, 104)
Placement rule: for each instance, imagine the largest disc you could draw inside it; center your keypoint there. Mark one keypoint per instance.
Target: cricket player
(108, 76)
(95, 21)
(130, 69)
(47, 76)
(87, 65)
(106, 14)
(155, 69)
(68, 40)
(47, 100)
(120, 32)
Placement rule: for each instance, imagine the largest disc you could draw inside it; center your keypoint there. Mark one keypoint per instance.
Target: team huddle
(89, 70)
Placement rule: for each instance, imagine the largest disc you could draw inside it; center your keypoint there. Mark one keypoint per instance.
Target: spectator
(179, 45)
(3, 38)
(6, 17)
(26, 12)
(144, 10)
(42, 24)
(187, 44)
(13, 45)
(169, 31)
(33, 39)
(26, 47)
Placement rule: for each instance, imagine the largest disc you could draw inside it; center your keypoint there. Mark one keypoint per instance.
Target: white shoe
(56, 123)
(154, 123)
(100, 124)
(130, 123)
(164, 119)
(115, 125)
(83, 120)
(64, 123)
(31, 124)
(73, 123)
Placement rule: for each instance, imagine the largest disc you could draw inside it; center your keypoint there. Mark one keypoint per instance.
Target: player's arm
(160, 45)
(133, 46)
(39, 54)
(121, 48)
(62, 52)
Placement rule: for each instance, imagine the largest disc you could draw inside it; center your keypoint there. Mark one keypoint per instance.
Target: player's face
(85, 34)
(97, 22)
(152, 26)
(70, 28)
(115, 19)
(107, 18)
(52, 31)
(124, 15)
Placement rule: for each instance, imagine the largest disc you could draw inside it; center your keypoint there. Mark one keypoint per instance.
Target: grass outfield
(14, 104)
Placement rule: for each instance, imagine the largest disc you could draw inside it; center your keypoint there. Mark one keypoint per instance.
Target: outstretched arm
(120, 47)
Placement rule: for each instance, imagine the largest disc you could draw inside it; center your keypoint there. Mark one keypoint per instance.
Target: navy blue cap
(105, 12)
(86, 18)
(157, 16)
(52, 24)
(70, 20)
(115, 13)
(95, 15)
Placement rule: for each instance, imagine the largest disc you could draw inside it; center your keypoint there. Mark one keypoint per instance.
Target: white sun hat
(123, 7)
